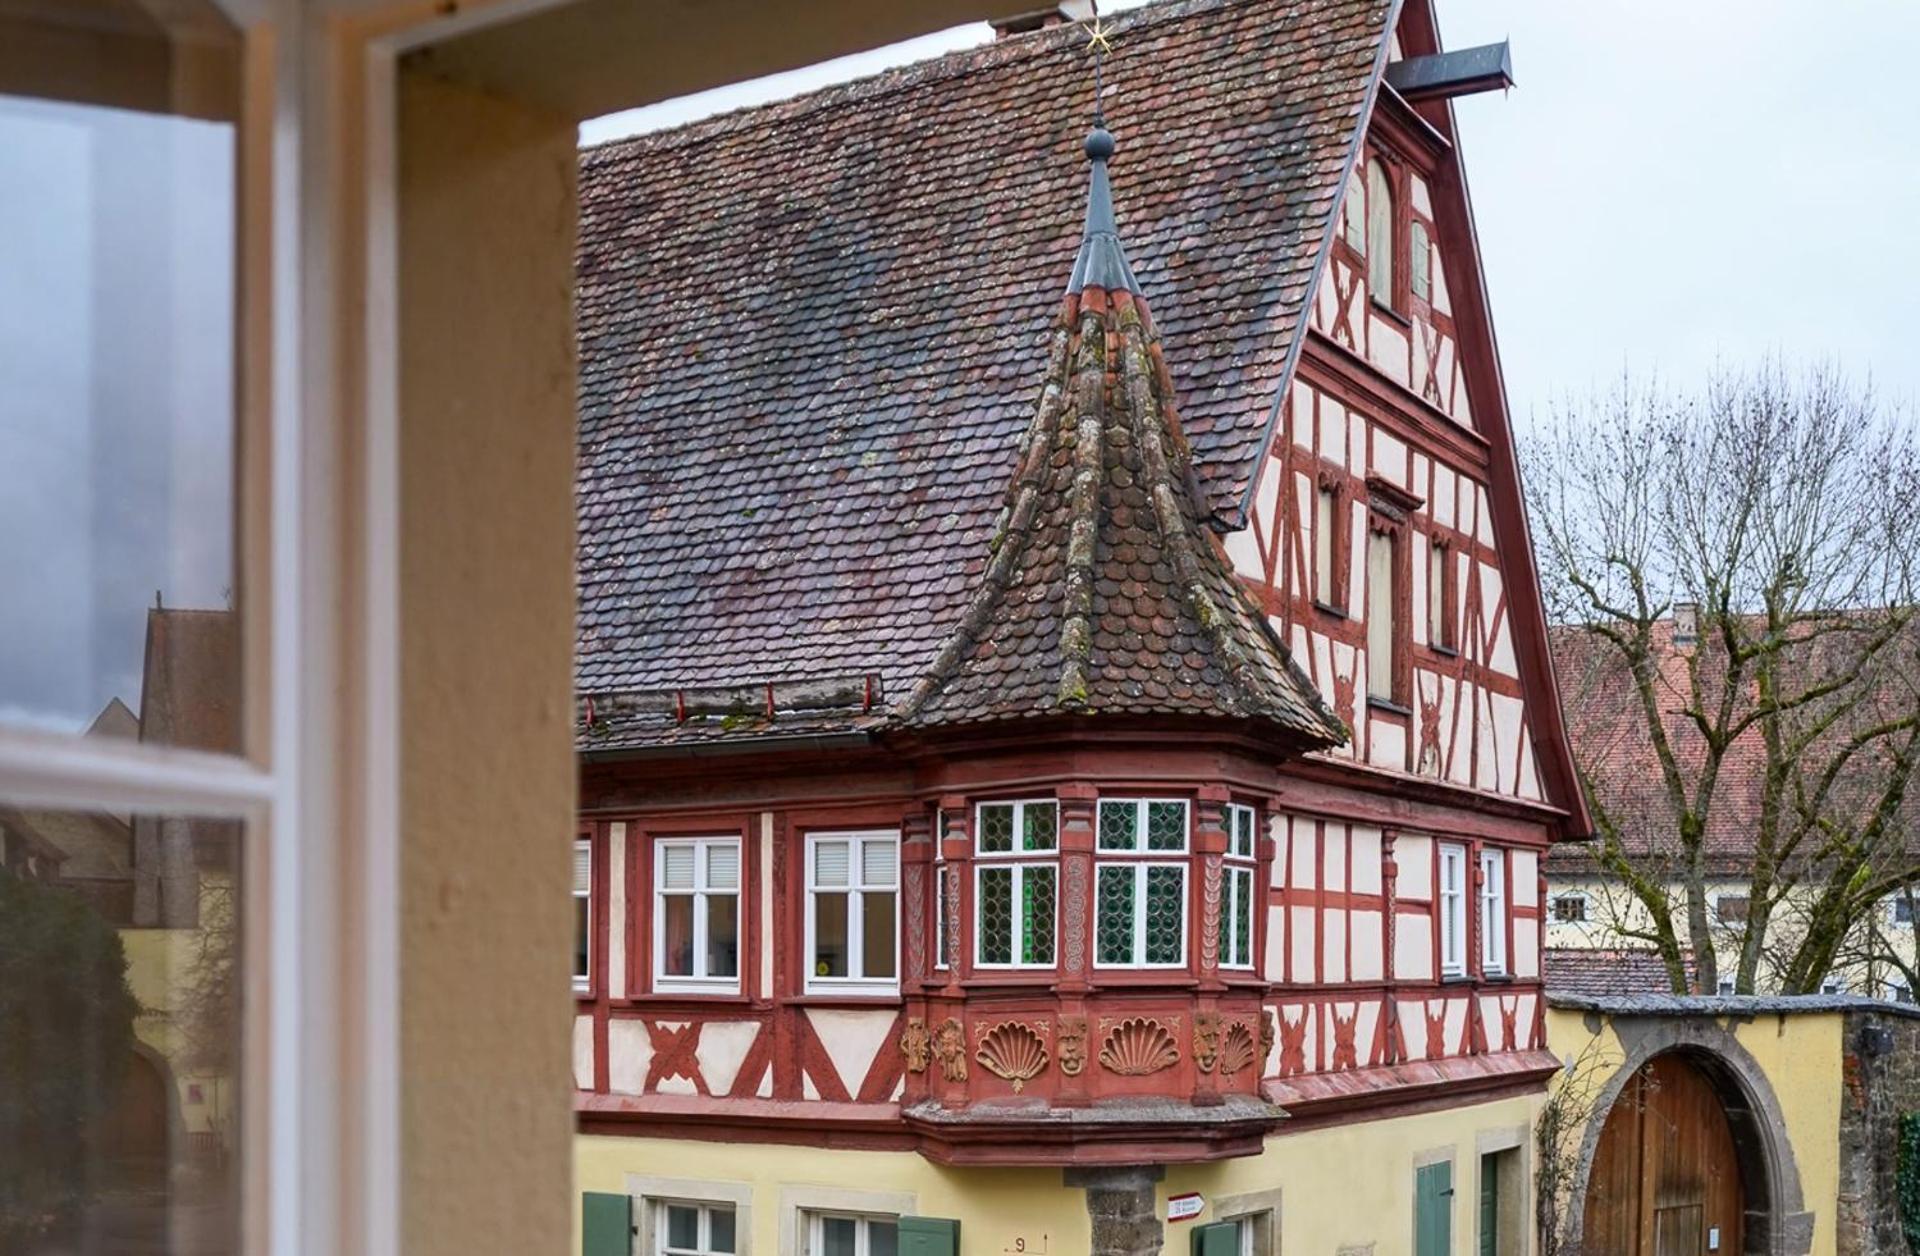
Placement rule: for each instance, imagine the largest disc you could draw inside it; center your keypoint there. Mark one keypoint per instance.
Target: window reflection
(119, 1033)
(117, 371)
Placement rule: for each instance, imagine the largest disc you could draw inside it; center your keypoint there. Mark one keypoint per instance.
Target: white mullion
(698, 897)
(856, 927)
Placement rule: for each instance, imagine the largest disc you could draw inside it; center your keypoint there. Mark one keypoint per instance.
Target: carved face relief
(950, 1048)
(1206, 1040)
(1266, 1036)
(1073, 1045)
(916, 1044)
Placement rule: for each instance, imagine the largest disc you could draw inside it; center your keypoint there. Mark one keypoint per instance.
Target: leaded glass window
(1238, 902)
(1015, 896)
(1140, 904)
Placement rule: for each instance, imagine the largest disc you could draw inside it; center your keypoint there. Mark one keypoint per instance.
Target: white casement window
(941, 901)
(582, 915)
(851, 1234)
(1016, 878)
(853, 912)
(1493, 912)
(690, 1229)
(1326, 526)
(1453, 910)
(1140, 899)
(1238, 901)
(696, 915)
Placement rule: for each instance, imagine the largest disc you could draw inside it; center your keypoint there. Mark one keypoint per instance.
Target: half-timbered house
(1111, 733)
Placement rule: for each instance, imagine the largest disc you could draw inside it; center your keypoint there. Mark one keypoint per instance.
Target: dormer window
(1140, 896)
(1380, 223)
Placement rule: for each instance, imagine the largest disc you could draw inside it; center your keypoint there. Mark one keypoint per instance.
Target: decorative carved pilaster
(950, 1049)
(916, 1044)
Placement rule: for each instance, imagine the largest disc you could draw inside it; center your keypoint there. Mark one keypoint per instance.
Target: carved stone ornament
(1206, 1040)
(1139, 1045)
(950, 1048)
(916, 1044)
(1072, 1040)
(1012, 1051)
(1236, 1051)
(1266, 1036)
(1076, 914)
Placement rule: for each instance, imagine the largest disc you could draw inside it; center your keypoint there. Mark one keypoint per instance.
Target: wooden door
(1664, 1180)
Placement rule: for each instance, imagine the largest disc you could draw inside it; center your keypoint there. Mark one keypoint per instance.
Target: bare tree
(1775, 508)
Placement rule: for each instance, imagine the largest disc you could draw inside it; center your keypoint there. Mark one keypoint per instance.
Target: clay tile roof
(1106, 592)
(1609, 972)
(810, 332)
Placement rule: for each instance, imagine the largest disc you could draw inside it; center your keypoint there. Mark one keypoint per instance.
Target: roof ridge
(957, 63)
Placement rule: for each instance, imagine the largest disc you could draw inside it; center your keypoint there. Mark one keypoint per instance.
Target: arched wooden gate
(1665, 1178)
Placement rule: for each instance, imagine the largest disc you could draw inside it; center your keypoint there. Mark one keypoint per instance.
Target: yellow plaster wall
(160, 966)
(1800, 1055)
(1347, 1185)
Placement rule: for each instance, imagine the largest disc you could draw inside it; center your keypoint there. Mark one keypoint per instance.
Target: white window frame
(855, 891)
(698, 983)
(1895, 902)
(1580, 896)
(1240, 883)
(1140, 858)
(657, 1212)
(1450, 903)
(583, 982)
(1493, 912)
(814, 1227)
(1019, 861)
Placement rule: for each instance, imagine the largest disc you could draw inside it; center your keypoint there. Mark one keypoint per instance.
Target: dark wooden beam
(1445, 75)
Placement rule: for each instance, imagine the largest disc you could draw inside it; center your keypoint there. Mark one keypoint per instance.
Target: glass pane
(1323, 528)
(1113, 913)
(879, 863)
(723, 935)
(1043, 825)
(582, 935)
(837, 1236)
(1380, 612)
(1117, 826)
(830, 935)
(883, 1238)
(1166, 826)
(119, 940)
(996, 828)
(582, 867)
(683, 1227)
(723, 866)
(830, 863)
(941, 899)
(1166, 915)
(1244, 907)
(676, 935)
(722, 1224)
(876, 940)
(117, 371)
(1422, 262)
(995, 911)
(1036, 915)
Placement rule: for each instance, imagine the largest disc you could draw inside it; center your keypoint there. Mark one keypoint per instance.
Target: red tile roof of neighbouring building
(811, 334)
(1596, 972)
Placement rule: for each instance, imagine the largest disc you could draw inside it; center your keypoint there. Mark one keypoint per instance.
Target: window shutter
(1489, 1205)
(1220, 1238)
(606, 1224)
(1433, 1209)
(723, 867)
(830, 864)
(676, 867)
(879, 863)
(582, 867)
(929, 1236)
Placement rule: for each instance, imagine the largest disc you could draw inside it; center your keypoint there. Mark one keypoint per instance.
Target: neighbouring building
(1590, 908)
(1057, 769)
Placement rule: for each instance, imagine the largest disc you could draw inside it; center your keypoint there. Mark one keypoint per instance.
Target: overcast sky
(1670, 184)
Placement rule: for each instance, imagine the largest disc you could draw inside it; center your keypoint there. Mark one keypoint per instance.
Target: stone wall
(1881, 1082)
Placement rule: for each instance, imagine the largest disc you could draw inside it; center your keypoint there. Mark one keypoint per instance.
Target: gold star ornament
(1097, 36)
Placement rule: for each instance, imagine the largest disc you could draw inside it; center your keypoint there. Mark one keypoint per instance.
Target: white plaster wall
(851, 1039)
(629, 1056)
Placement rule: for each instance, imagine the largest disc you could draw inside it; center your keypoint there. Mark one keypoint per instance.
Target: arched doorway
(1666, 1178)
(134, 1137)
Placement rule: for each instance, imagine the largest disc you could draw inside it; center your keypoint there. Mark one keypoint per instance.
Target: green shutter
(606, 1224)
(1489, 1205)
(1433, 1209)
(1220, 1238)
(929, 1236)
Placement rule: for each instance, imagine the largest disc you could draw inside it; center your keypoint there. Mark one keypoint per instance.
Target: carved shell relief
(950, 1048)
(1012, 1051)
(1072, 1040)
(1236, 1050)
(1137, 1046)
(916, 1044)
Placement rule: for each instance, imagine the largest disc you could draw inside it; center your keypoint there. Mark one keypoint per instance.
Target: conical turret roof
(1106, 593)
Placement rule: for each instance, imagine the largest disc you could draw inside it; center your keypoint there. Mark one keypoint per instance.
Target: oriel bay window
(1140, 897)
(696, 916)
(1016, 884)
(1238, 897)
(853, 918)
